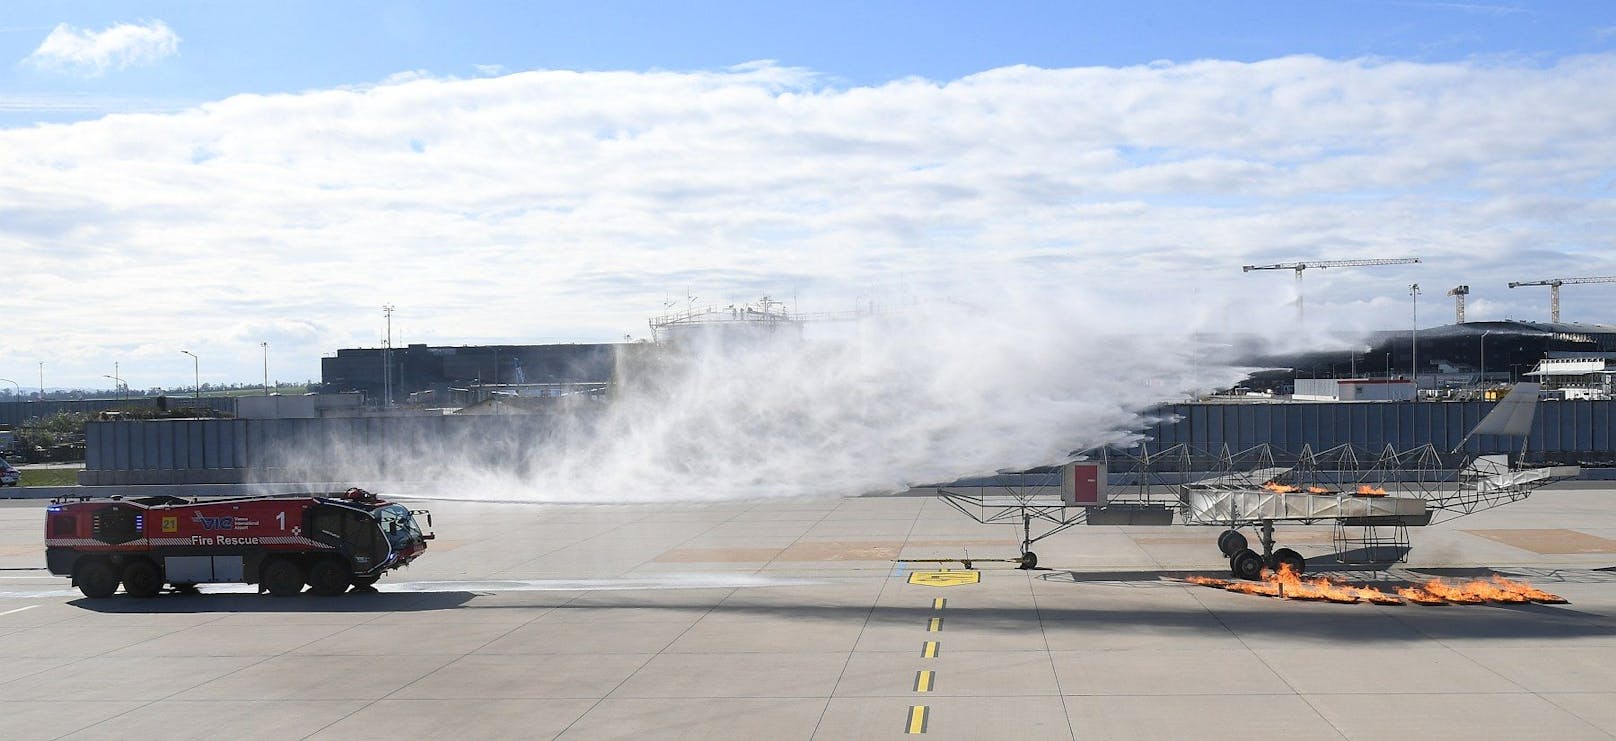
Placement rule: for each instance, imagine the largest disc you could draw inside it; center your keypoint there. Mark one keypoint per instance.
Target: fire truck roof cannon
(327, 542)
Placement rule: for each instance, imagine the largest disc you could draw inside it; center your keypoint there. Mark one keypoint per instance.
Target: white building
(1577, 377)
(1353, 389)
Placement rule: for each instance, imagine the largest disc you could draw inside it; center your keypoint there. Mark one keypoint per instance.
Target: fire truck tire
(1231, 542)
(142, 579)
(96, 579)
(328, 577)
(1285, 556)
(1246, 564)
(282, 578)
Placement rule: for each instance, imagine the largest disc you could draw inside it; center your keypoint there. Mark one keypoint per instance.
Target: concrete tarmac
(790, 619)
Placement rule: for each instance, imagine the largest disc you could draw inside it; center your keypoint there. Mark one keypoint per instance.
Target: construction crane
(1300, 266)
(1458, 293)
(1554, 290)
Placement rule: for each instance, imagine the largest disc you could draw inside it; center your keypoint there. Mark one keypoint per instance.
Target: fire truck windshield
(399, 525)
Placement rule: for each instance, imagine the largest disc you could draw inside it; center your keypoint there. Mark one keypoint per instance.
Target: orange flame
(1528, 591)
(1278, 487)
(1457, 595)
(1419, 596)
(1318, 490)
(1476, 592)
(1286, 584)
(1365, 490)
(1261, 589)
(1293, 586)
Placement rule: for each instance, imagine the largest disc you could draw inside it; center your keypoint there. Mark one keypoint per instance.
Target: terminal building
(1449, 357)
(467, 375)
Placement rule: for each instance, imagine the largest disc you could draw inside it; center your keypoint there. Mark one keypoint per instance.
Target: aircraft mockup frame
(1371, 498)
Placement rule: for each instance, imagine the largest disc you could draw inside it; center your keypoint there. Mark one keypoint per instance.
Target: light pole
(1414, 341)
(1482, 377)
(41, 380)
(265, 345)
(387, 359)
(196, 373)
(117, 382)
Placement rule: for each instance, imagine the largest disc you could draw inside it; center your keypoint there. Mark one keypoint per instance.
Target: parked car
(9, 475)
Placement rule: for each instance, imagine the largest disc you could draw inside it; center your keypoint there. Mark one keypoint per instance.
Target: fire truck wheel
(1286, 556)
(142, 579)
(1246, 565)
(282, 578)
(1231, 542)
(328, 578)
(96, 579)
(365, 583)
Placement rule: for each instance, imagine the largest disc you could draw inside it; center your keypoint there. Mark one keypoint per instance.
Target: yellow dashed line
(917, 719)
(930, 651)
(923, 680)
(934, 625)
(939, 603)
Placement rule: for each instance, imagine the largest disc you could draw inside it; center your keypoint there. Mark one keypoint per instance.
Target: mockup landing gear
(1245, 563)
(1029, 560)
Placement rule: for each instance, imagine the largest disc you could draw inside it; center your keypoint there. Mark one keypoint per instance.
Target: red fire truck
(279, 543)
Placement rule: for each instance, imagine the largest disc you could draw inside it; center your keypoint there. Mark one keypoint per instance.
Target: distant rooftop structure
(767, 317)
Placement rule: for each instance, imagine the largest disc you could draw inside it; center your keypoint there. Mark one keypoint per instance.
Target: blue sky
(543, 172)
(257, 47)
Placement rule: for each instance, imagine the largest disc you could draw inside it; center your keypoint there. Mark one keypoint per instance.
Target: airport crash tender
(328, 543)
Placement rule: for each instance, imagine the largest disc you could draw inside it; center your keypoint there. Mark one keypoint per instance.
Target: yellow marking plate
(917, 719)
(930, 650)
(923, 680)
(944, 578)
(934, 625)
(939, 603)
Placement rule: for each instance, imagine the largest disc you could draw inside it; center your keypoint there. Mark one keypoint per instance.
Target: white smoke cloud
(926, 393)
(92, 53)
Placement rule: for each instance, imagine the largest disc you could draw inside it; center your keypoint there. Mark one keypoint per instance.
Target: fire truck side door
(356, 532)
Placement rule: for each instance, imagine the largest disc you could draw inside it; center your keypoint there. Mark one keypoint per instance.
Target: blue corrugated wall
(223, 450)
(1561, 429)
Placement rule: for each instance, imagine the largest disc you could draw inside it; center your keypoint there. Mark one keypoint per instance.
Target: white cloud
(557, 205)
(92, 53)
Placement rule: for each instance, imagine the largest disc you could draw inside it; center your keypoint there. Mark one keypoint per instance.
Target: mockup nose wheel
(1029, 560)
(1246, 565)
(1288, 557)
(1231, 542)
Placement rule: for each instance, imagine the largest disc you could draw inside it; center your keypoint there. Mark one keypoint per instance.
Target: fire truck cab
(328, 542)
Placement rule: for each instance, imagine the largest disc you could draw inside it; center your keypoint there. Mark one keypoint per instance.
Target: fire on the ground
(1285, 584)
